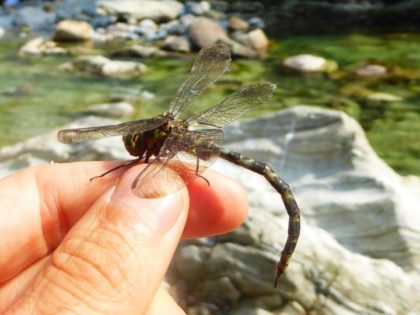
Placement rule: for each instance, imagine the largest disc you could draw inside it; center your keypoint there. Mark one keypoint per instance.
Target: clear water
(35, 96)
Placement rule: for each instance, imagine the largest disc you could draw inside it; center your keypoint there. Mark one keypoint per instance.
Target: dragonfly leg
(124, 164)
(286, 194)
(197, 168)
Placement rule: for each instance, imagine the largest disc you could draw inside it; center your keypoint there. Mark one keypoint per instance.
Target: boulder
(155, 10)
(204, 32)
(101, 66)
(354, 254)
(197, 8)
(35, 18)
(69, 30)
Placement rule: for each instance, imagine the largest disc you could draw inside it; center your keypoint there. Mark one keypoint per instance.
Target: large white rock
(69, 30)
(149, 9)
(359, 250)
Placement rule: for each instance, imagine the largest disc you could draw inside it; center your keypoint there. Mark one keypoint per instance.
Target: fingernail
(159, 213)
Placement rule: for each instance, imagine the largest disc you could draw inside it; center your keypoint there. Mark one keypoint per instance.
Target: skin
(70, 246)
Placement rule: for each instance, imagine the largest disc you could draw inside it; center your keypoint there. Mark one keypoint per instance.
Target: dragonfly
(169, 142)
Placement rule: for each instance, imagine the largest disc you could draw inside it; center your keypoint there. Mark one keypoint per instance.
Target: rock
(204, 32)
(121, 30)
(40, 46)
(99, 65)
(35, 18)
(68, 30)
(2, 32)
(310, 63)
(256, 22)
(45, 148)
(156, 10)
(237, 24)
(256, 39)
(354, 254)
(112, 110)
(138, 51)
(239, 50)
(384, 97)
(177, 43)
(197, 8)
(371, 70)
(174, 27)
(147, 28)
(77, 10)
(103, 21)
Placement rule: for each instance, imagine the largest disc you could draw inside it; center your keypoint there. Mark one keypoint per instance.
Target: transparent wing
(209, 65)
(183, 157)
(234, 105)
(137, 126)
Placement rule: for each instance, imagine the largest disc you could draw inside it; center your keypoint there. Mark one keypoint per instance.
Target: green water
(35, 96)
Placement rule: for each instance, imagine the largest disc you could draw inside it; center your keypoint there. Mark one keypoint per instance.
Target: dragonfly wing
(183, 156)
(91, 133)
(209, 65)
(235, 105)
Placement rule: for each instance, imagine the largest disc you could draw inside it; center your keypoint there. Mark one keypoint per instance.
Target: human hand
(71, 246)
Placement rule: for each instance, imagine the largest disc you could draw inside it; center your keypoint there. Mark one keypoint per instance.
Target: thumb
(114, 259)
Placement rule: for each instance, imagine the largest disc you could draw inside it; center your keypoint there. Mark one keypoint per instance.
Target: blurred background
(343, 127)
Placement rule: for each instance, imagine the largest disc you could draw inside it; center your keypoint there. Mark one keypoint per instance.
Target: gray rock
(204, 32)
(256, 22)
(174, 27)
(99, 65)
(35, 18)
(139, 51)
(177, 43)
(354, 255)
(112, 110)
(69, 30)
(147, 28)
(45, 149)
(197, 8)
(76, 9)
(155, 10)
(103, 21)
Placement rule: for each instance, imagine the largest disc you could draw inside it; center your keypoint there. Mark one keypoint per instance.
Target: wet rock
(112, 110)
(139, 51)
(255, 39)
(101, 66)
(35, 18)
(121, 30)
(155, 10)
(177, 43)
(204, 32)
(309, 63)
(197, 8)
(371, 70)
(69, 30)
(237, 24)
(40, 46)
